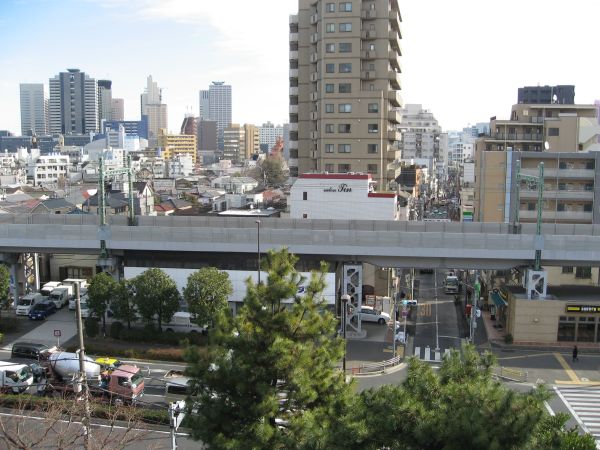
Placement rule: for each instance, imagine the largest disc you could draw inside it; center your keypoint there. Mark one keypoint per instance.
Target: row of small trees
(270, 379)
(153, 296)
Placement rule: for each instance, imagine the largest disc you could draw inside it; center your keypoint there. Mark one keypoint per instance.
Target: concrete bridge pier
(12, 260)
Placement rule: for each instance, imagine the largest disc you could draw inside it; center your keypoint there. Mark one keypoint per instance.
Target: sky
(462, 59)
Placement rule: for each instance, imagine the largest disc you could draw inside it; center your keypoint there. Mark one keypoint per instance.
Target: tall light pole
(258, 248)
(345, 299)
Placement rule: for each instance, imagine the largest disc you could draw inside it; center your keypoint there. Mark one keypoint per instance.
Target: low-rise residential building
(341, 196)
(237, 185)
(49, 169)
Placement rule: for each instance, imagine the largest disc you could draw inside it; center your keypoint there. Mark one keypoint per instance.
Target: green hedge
(99, 410)
(9, 325)
(151, 335)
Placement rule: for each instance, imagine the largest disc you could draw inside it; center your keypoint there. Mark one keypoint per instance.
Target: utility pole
(86, 391)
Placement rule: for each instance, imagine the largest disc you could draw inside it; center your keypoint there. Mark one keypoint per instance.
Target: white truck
(49, 287)
(83, 284)
(61, 295)
(15, 378)
(181, 322)
(83, 296)
(26, 302)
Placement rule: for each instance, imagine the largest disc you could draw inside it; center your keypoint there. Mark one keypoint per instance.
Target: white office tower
(34, 118)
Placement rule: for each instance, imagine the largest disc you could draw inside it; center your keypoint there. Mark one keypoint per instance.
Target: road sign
(404, 313)
(177, 413)
(56, 333)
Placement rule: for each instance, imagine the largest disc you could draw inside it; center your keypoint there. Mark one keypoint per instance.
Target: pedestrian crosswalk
(430, 354)
(584, 406)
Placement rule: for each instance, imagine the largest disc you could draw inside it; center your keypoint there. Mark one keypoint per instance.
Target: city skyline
(456, 62)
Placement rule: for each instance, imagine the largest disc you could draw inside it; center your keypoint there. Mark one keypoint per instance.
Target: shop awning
(498, 301)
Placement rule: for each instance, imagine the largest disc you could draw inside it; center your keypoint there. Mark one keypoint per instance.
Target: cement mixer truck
(124, 385)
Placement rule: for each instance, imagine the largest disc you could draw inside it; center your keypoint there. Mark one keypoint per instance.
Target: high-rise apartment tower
(104, 100)
(345, 87)
(215, 105)
(73, 104)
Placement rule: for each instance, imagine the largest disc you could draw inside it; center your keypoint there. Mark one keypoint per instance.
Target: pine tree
(269, 378)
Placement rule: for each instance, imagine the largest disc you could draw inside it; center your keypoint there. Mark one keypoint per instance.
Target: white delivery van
(73, 281)
(49, 287)
(26, 303)
(15, 378)
(60, 296)
(181, 322)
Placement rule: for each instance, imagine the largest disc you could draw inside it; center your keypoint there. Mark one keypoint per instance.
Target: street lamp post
(345, 299)
(258, 247)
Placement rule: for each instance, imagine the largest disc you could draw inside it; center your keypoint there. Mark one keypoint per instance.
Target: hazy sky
(462, 59)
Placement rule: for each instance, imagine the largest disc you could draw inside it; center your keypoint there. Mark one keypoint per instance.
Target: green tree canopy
(270, 171)
(123, 303)
(269, 373)
(100, 293)
(206, 294)
(156, 296)
(4, 285)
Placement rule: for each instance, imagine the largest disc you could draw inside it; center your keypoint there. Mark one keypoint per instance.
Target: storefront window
(566, 329)
(586, 329)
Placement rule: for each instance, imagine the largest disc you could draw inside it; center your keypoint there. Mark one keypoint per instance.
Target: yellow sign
(583, 308)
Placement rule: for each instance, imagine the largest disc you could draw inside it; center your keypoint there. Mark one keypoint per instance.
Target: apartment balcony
(394, 20)
(368, 74)
(293, 126)
(293, 37)
(395, 98)
(368, 14)
(394, 39)
(293, 90)
(293, 109)
(394, 116)
(393, 135)
(314, 38)
(526, 137)
(368, 54)
(293, 145)
(293, 73)
(562, 216)
(314, 19)
(394, 61)
(574, 174)
(368, 34)
(394, 78)
(294, 55)
(566, 194)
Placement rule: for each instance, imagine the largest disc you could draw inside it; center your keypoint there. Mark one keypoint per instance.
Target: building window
(372, 168)
(344, 88)
(345, 68)
(329, 167)
(305, 196)
(345, 27)
(373, 128)
(346, 7)
(566, 329)
(330, 28)
(329, 48)
(583, 272)
(343, 168)
(329, 148)
(329, 128)
(587, 207)
(330, 68)
(552, 131)
(344, 148)
(329, 107)
(345, 107)
(305, 216)
(373, 107)
(345, 47)
(589, 165)
(372, 148)
(330, 7)
(559, 207)
(344, 128)
(329, 88)
(567, 269)
(531, 206)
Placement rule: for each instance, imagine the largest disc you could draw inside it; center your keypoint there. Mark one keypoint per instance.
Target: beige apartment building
(251, 140)
(345, 87)
(177, 144)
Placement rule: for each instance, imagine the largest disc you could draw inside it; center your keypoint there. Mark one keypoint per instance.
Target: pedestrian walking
(575, 353)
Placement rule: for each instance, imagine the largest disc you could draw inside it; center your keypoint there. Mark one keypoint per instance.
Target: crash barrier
(380, 367)
(511, 374)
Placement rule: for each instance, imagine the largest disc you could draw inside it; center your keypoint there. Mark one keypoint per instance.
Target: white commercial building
(344, 196)
(268, 134)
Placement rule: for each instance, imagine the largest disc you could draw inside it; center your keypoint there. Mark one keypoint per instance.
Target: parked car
(30, 350)
(370, 314)
(42, 310)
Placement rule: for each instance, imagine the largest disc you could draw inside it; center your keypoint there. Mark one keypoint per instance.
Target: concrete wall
(535, 320)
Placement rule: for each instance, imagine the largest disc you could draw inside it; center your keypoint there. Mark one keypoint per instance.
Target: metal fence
(380, 367)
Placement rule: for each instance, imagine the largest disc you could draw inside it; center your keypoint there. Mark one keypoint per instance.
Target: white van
(26, 303)
(83, 284)
(60, 296)
(181, 322)
(49, 287)
(83, 296)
